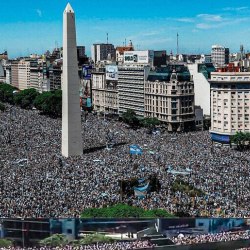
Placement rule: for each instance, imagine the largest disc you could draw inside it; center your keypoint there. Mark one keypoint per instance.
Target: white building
(23, 74)
(219, 55)
(201, 88)
(230, 104)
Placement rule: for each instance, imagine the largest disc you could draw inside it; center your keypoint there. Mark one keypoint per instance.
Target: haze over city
(35, 26)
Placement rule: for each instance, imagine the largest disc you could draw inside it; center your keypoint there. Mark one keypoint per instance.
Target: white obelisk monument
(71, 113)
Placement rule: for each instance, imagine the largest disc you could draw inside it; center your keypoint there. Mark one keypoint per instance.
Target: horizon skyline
(38, 25)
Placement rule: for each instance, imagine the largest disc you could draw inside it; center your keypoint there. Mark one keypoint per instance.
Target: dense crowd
(205, 238)
(36, 181)
(139, 244)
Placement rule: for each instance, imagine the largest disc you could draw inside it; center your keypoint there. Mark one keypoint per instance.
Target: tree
(150, 122)
(55, 240)
(130, 118)
(25, 98)
(4, 243)
(50, 103)
(240, 138)
(123, 211)
(6, 93)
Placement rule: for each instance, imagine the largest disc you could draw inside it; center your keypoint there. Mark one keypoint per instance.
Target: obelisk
(71, 113)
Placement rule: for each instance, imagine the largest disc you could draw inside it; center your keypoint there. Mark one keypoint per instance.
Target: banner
(135, 150)
(112, 72)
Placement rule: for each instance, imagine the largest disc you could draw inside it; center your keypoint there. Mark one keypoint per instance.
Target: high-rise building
(102, 52)
(131, 87)
(23, 74)
(230, 104)
(36, 75)
(219, 56)
(14, 73)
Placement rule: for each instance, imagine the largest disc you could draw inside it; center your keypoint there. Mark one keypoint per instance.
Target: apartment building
(230, 104)
(24, 74)
(169, 97)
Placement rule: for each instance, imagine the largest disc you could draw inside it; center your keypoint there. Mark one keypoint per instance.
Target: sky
(34, 26)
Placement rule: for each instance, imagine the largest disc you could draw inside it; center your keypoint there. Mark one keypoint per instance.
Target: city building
(36, 75)
(4, 56)
(160, 58)
(120, 52)
(2, 72)
(230, 104)
(219, 55)
(169, 96)
(24, 74)
(8, 74)
(105, 90)
(55, 75)
(201, 73)
(14, 73)
(102, 52)
(81, 55)
(131, 87)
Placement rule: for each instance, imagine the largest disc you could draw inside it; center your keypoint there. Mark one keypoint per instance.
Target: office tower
(219, 55)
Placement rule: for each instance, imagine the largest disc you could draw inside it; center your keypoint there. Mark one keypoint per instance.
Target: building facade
(131, 88)
(102, 52)
(104, 92)
(219, 56)
(230, 104)
(171, 102)
(14, 73)
(23, 74)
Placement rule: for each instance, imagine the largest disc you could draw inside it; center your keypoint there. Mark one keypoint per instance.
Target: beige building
(171, 102)
(14, 74)
(23, 74)
(104, 92)
(230, 104)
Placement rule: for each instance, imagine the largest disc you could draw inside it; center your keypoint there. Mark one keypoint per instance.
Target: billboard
(112, 72)
(86, 72)
(144, 56)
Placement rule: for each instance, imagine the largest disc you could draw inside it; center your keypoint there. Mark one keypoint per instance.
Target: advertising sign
(111, 72)
(86, 71)
(145, 56)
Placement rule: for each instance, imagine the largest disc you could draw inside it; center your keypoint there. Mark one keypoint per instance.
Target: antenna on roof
(125, 42)
(107, 38)
(177, 43)
(56, 45)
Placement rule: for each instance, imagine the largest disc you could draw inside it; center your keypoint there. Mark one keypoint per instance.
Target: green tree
(123, 211)
(150, 122)
(6, 93)
(25, 98)
(130, 118)
(5, 243)
(50, 103)
(55, 240)
(239, 138)
(94, 238)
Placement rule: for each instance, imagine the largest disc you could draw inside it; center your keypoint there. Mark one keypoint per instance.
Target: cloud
(185, 20)
(228, 22)
(210, 18)
(39, 12)
(235, 9)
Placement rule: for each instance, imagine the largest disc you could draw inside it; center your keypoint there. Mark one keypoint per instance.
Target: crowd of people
(205, 238)
(36, 181)
(139, 244)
